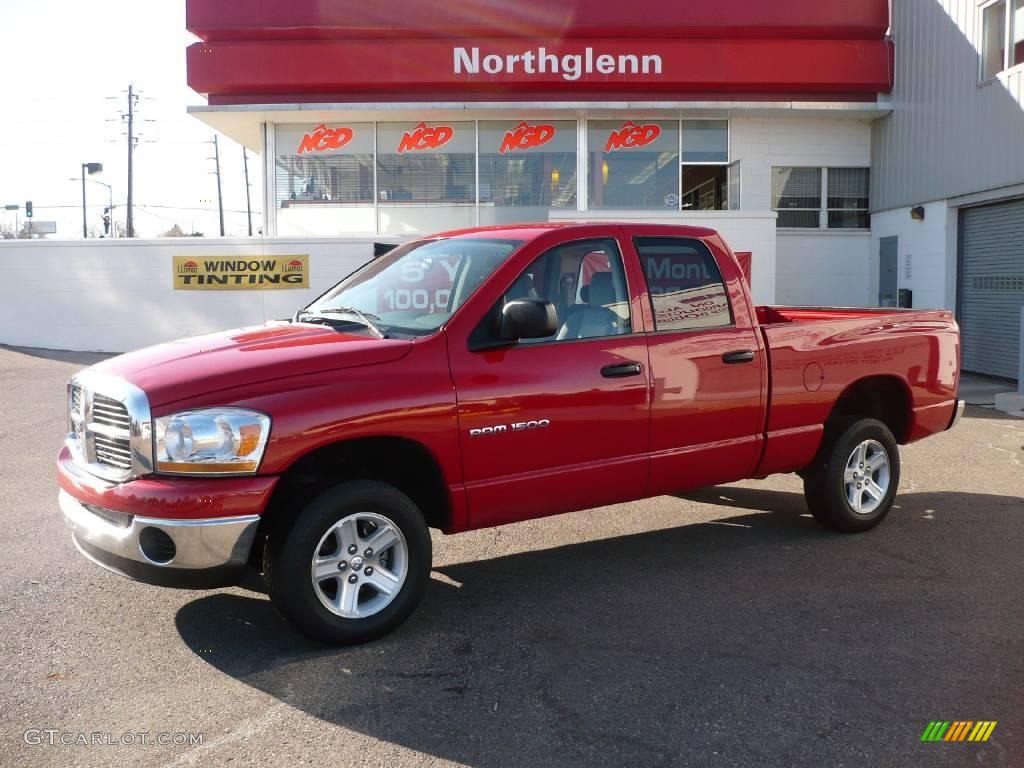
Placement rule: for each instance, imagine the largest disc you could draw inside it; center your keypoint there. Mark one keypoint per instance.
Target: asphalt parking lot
(723, 628)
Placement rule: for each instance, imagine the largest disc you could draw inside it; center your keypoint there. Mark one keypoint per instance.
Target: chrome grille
(106, 410)
(110, 426)
(115, 451)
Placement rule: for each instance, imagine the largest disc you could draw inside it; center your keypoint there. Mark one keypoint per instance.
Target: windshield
(415, 288)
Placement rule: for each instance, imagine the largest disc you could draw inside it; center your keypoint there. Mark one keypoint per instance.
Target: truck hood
(200, 365)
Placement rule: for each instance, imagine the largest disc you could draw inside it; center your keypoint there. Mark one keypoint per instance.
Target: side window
(685, 284)
(586, 283)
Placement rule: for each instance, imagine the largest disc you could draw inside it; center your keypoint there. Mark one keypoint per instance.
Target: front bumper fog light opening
(156, 545)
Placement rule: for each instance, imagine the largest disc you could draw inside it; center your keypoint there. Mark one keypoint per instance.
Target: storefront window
(796, 195)
(526, 169)
(705, 141)
(320, 168)
(707, 179)
(633, 164)
(426, 176)
(848, 198)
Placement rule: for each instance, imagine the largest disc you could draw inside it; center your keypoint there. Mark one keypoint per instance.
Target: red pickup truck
(477, 378)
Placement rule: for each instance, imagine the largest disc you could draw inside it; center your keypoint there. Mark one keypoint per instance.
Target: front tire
(852, 487)
(353, 565)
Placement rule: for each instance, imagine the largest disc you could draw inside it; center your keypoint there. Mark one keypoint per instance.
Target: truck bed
(816, 354)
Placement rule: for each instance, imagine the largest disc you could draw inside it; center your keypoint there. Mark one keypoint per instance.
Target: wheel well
(885, 398)
(403, 463)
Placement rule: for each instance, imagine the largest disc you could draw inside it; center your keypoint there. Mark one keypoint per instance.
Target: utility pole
(132, 98)
(248, 202)
(220, 197)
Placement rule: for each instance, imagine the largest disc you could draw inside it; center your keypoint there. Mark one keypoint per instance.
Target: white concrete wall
(926, 253)
(761, 143)
(752, 231)
(327, 221)
(117, 295)
(824, 269)
(813, 267)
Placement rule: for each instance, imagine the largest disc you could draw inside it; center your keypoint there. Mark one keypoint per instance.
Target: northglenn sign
(571, 66)
(287, 70)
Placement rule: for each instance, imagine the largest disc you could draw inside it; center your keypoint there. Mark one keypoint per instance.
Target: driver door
(560, 423)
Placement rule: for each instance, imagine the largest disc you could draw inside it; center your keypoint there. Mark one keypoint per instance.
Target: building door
(991, 288)
(888, 248)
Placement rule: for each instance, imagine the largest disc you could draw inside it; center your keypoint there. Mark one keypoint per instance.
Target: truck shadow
(743, 639)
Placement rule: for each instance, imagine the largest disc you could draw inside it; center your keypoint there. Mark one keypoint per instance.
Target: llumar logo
(423, 137)
(324, 139)
(188, 267)
(958, 730)
(526, 136)
(631, 136)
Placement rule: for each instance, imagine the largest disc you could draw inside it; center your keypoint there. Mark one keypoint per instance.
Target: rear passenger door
(707, 366)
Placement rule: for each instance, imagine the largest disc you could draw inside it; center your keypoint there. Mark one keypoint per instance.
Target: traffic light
(106, 221)
(28, 209)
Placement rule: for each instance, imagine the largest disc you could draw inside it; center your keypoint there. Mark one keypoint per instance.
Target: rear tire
(852, 486)
(328, 580)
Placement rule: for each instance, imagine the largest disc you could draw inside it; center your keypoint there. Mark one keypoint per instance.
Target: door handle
(619, 370)
(738, 356)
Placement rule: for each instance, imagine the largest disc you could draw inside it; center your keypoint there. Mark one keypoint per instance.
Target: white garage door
(991, 287)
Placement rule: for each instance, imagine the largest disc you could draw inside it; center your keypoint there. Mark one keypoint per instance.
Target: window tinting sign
(198, 273)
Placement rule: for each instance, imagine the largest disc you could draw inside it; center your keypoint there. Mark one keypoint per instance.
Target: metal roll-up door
(991, 287)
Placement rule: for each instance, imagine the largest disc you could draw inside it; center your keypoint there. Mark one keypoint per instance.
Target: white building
(789, 128)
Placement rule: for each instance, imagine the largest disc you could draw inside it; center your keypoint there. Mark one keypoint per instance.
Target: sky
(66, 67)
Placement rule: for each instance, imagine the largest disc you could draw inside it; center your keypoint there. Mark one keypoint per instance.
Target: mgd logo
(526, 136)
(421, 137)
(631, 136)
(323, 139)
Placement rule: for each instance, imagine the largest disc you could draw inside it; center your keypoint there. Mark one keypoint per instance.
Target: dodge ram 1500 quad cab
(477, 378)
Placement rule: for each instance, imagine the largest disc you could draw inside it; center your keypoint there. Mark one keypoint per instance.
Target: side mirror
(528, 319)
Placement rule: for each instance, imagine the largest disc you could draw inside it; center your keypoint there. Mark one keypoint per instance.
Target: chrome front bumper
(209, 552)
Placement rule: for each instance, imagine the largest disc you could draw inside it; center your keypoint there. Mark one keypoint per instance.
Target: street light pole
(110, 203)
(85, 219)
(89, 168)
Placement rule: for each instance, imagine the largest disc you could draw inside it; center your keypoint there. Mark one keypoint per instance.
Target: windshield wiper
(366, 318)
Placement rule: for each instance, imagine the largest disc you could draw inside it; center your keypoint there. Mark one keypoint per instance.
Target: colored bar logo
(958, 730)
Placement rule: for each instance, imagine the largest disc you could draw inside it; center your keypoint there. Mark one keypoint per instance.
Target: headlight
(211, 441)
